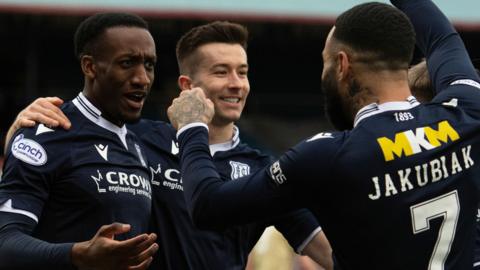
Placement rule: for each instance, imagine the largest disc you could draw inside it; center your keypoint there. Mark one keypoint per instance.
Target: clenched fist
(192, 106)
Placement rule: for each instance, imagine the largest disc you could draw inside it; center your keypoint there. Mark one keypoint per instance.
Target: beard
(335, 107)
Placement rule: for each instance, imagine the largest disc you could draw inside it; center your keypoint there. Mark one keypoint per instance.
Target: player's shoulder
(157, 135)
(327, 141)
(34, 145)
(319, 148)
(147, 127)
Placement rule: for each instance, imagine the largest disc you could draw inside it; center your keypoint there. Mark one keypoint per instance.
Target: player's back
(411, 172)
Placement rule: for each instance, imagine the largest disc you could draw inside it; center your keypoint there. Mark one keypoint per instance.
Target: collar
(95, 115)
(228, 145)
(374, 108)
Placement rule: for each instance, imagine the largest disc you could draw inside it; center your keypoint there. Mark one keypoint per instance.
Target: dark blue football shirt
(398, 191)
(73, 182)
(183, 245)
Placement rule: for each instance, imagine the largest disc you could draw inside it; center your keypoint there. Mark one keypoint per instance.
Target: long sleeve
(447, 58)
(214, 203)
(19, 250)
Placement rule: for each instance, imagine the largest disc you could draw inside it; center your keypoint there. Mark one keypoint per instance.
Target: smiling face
(221, 72)
(121, 72)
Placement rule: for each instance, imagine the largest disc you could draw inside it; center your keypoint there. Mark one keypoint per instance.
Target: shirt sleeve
(298, 227)
(268, 192)
(32, 162)
(19, 250)
(447, 59)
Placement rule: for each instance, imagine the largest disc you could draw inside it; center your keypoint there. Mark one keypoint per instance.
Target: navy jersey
(184, 246)
(73, 182)
(398, 191)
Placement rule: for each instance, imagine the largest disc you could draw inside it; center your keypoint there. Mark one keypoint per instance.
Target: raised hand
(104, 252)
(190, 107)
(45, 111)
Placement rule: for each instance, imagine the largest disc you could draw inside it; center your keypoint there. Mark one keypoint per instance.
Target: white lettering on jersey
(102, 150)
(173, 179)
(322, 135)
(29, 151)
(403, 116)
(122, 182)
(429, 172)
(42, 129)
(239, 169)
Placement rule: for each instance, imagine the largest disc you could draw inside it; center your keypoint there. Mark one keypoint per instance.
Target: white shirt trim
(475, 264)
(191, 125)
(374, 108)
(308, 240)
(467, 82)
(93, 114)
(228, 145)
(7, 207)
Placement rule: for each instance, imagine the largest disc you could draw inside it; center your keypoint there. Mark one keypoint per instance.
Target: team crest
(239, 170)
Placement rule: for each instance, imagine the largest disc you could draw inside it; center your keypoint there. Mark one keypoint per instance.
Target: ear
(343, 65)
(88, 66)
(184, 82)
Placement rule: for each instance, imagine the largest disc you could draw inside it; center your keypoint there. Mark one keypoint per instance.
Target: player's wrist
(78, 255)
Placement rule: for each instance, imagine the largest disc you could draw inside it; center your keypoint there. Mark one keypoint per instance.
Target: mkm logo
(408, 143)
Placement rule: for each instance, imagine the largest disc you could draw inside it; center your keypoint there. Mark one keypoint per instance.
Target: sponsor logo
(239, 170)
(102, 150)
(170, 178)
(28, 151)
(154, 173)
(277, 174)
(411, 142)
(121, 182)
(322, 135)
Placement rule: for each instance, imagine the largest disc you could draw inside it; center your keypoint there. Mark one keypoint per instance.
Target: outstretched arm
(19, 250)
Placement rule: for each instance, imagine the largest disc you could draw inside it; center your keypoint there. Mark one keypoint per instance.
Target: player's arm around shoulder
(44, 110)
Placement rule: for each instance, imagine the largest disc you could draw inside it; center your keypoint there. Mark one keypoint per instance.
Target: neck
(88, 93)
(220, 133)
(380, 87)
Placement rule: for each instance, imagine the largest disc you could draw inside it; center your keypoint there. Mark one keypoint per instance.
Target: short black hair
(380, 32)
(94, 26)
(217, 31)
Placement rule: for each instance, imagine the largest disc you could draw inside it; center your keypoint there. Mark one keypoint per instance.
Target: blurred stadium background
(286, 40)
